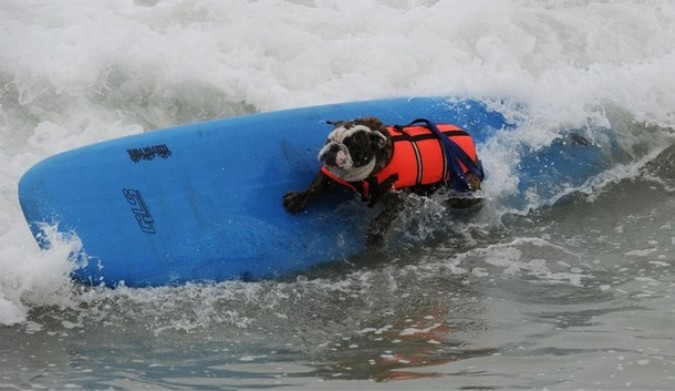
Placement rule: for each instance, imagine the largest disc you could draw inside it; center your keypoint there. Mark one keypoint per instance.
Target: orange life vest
(418, 160)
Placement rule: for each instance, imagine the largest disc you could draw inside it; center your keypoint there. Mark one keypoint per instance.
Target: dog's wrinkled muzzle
(336, 155)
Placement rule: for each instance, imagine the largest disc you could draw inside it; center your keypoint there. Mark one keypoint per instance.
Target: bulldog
(385, 163)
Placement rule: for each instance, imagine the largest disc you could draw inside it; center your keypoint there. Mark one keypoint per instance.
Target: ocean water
(572, 289)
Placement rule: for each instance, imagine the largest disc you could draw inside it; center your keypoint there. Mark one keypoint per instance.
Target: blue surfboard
(203, 202)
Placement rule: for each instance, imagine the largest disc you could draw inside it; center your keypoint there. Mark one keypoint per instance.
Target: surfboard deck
(203, 202)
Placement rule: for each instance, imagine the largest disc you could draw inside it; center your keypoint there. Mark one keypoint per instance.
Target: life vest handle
(454, 154)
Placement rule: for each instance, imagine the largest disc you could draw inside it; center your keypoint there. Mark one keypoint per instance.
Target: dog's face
(352, 149)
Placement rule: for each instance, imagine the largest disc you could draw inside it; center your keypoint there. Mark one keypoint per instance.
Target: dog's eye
(349, 143)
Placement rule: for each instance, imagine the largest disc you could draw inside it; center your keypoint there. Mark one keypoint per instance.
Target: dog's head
(353, 148)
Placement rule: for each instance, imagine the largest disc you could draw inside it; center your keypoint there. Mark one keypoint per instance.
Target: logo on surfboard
(149, 153)
(140, 210)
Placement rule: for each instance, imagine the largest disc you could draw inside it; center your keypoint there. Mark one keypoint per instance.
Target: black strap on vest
(375, 189)
(378, 189)
(453, 154)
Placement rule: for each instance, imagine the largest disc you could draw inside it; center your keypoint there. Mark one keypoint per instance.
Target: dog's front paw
(295, 201)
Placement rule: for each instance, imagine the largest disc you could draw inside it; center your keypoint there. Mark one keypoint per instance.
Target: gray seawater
(574, 290)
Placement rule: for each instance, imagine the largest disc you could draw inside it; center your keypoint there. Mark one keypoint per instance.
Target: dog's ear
(378, 139)
(377, 136)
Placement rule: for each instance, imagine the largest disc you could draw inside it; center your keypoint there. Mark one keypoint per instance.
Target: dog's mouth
(340, 160)
(337, 156)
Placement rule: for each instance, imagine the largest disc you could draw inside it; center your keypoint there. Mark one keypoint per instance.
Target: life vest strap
(376, 190)
(453, 154)
(404, 136)
(369, 189)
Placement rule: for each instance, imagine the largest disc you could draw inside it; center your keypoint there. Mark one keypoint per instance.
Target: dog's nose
(329, 158)
(328, 155)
